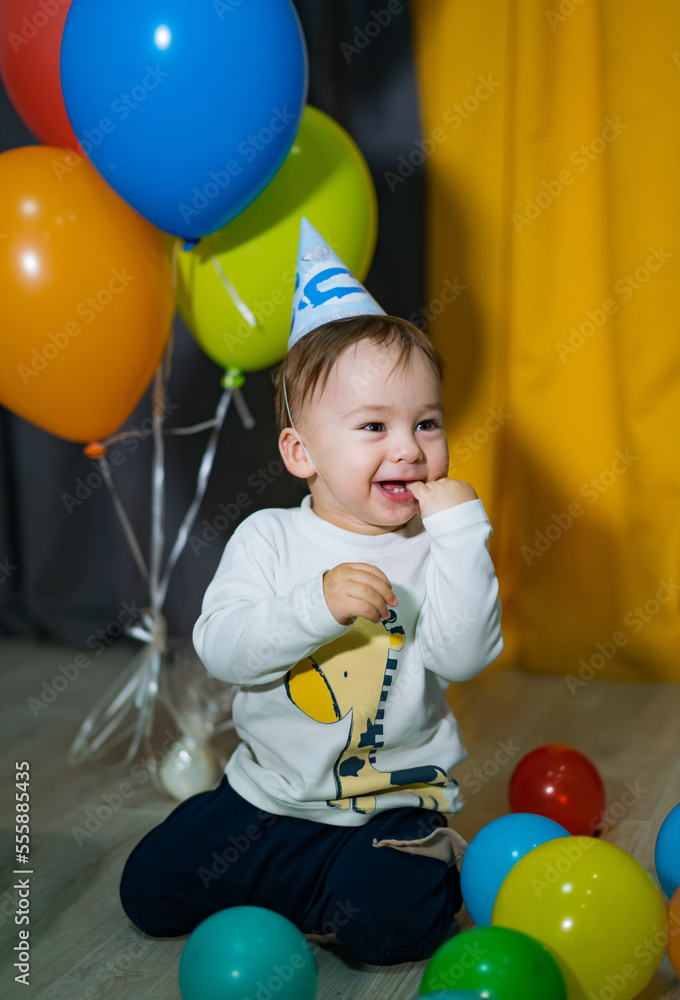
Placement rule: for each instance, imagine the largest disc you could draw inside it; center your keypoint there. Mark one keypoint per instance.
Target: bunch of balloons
(179, 124)
(559, 917)
(590, 905)
(187, 127)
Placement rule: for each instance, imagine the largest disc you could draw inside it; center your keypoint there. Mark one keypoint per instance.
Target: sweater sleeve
(459, 629)
(247, 633)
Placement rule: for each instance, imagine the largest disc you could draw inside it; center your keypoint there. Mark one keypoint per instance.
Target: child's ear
(294, 455)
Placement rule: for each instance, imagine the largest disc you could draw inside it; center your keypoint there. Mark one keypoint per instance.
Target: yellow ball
(595, 908)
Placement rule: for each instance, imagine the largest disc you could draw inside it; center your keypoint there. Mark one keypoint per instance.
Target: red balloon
(30, 44)
(561, 783)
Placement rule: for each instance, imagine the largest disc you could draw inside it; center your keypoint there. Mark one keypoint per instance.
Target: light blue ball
(494, 851)
(667, 852)
(246, 951)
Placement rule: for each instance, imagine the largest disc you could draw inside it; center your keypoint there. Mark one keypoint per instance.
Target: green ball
(460, 995)
(246, 951)
(502, 964)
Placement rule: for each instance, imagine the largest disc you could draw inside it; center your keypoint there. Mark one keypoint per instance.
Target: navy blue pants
(216, 850)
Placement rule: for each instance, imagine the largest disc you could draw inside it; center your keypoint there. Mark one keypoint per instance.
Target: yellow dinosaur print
(353, 674)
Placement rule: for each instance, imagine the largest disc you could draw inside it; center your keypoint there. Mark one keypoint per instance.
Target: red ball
(561, 783)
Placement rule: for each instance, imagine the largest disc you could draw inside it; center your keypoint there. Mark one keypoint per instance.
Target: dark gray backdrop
(65, 574)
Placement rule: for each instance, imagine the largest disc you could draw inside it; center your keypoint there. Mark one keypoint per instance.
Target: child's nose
(406, 448)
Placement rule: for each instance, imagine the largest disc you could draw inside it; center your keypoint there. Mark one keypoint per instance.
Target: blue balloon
(247, 951)
(667, 852)
(494, 851)
(187, 108)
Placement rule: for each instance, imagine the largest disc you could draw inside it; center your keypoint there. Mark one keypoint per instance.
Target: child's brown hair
(310, 360)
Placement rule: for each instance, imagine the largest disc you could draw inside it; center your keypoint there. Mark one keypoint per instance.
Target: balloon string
(244, 413)
(251, 320)
(175, 248)
(167, 356)
(128, 530)
(138, 687)
(191, 430)
(121, 436)
(109, 709)
(157, 490)
(201, 484)
(248, 316)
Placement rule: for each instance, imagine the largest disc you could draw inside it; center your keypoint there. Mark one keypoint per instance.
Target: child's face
(396, 434)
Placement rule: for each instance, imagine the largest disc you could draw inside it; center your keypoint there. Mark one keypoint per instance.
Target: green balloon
(500, 963)
(247, 951)
(459, 995)
(325, 179)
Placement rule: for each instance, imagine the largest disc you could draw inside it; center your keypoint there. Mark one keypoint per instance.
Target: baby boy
(342, 622)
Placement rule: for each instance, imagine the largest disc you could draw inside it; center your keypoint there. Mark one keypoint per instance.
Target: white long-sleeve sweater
(338, 722)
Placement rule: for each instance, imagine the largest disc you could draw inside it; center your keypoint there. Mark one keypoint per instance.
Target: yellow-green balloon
(325, 179)
(595, 908)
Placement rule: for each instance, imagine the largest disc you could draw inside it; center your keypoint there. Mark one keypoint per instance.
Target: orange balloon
(674, 932)
(86, 293)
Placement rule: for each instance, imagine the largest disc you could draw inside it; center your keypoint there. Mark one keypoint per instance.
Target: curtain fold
(553, 205)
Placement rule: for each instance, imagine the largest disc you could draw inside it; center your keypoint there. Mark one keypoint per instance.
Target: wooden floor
(83, 946)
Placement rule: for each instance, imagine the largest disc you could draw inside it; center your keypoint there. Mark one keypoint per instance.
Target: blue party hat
(325, 288)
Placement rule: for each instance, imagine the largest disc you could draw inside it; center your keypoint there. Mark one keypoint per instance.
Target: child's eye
(377, 423)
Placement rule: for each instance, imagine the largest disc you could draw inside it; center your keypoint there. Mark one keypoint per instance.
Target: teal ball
(247, 951)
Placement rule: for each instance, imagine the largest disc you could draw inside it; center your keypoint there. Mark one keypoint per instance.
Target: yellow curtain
(551, 141)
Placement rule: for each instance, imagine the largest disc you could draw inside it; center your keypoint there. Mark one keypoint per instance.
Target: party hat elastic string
(285, 395)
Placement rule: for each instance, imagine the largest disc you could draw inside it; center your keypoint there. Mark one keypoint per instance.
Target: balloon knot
(95, 450)
(190, 244)
(233, 378)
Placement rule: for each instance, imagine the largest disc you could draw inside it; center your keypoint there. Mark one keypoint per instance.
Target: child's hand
(440, 494)
(357, 590)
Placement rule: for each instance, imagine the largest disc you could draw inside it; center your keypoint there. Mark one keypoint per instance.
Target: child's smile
(395, 492)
